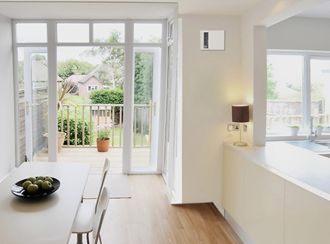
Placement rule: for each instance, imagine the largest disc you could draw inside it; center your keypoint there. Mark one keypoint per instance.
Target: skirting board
(238, 229)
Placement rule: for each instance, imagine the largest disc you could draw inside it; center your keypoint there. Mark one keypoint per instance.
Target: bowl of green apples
(35, 187)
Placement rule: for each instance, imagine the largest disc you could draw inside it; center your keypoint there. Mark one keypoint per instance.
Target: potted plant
(319, 130)
(294, 130)
(103, 139)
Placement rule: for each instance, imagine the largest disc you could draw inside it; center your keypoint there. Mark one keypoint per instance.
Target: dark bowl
(18, 190)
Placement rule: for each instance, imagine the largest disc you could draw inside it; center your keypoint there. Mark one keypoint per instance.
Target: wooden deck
(140, 157)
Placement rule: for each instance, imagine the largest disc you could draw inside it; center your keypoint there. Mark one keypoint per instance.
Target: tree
(112, 72)
(143, 78)
(271, 84)
(74, 67)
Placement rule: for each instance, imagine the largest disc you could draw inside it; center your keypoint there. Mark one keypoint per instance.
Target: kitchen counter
(293, 163)
(277, 194)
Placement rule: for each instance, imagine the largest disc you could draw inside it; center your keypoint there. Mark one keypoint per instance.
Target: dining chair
(83, 222)
(105, 171)
(99, 217)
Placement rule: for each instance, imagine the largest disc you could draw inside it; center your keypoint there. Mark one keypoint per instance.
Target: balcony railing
(81, 122)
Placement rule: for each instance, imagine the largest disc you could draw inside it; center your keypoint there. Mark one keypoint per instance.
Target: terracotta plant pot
(103, 145)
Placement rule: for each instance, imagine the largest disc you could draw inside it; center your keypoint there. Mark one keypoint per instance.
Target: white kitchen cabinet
(307, 217)
(263, 208)
(233, 185)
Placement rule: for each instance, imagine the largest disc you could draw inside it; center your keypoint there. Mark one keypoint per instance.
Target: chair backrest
(99, 215)
(105, 171)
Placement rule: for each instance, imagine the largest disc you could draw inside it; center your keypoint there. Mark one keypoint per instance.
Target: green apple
(39, 183)
(32, 179)
(46, 186)
(32, 188)
(47, 178)
(40, 178)
(26, 184)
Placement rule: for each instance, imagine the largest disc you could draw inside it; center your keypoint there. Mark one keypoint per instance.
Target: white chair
(99, 216)
(84, 219)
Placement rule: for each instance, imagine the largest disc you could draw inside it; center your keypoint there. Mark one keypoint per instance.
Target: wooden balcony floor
(140, 157)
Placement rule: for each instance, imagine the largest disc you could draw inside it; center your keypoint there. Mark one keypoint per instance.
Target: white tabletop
(47, 221)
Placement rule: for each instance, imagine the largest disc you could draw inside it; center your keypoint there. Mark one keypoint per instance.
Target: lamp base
(240, 144)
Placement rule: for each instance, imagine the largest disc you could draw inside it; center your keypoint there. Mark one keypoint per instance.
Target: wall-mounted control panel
(213, 40)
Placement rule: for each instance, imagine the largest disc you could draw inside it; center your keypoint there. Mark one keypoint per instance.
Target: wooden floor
(148, 218)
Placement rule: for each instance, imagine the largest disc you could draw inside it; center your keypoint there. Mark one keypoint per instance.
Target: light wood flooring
(149, 218)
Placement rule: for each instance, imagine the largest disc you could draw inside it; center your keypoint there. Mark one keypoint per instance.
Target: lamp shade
(240, 113)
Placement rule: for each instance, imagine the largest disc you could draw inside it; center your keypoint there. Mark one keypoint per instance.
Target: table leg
(79, 238)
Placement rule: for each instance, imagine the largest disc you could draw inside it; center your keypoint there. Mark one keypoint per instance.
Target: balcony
(81, 122)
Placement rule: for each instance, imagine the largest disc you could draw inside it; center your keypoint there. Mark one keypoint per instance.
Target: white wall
(7, 121)
(300, 33)
(211, 83)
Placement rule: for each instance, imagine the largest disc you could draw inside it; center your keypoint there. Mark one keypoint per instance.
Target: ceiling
(85, 10)
(88, 9)
(321, 11)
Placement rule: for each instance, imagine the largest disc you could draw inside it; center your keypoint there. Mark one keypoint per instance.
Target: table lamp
(240, 114)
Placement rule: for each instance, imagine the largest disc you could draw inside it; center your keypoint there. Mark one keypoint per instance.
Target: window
(298, 92)
(320, 90)
(31, 32)
(147, 33)
(109, 32)
(92, 88)
(73, 32)
(284, 92)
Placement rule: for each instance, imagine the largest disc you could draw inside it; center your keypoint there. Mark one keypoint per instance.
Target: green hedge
(88, 137)
(115, 96)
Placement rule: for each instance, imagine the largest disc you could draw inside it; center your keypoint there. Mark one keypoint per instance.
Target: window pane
(31, 32)
(109, 33)
(148, 33)
(284, 93)
(320, 90)
(73, 32)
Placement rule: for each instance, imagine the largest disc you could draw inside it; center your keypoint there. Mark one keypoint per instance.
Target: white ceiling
(322, 11)
(85, 10)
(89, 9)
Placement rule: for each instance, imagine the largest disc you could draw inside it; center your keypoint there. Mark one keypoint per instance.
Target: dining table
(46, 220)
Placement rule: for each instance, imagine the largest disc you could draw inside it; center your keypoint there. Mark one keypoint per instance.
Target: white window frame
(306, 95)
(128, 45)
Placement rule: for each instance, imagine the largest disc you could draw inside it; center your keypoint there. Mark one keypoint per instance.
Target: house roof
(75, 78)
(81, 79)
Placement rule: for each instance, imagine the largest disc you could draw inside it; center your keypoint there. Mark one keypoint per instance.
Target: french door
(33, 101)
(146, 108)
(120, 54)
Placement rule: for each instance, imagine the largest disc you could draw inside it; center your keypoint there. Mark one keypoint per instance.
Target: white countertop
(297, 165)
(48, 220)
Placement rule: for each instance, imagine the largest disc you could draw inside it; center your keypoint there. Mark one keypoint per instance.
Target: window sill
(293, 138)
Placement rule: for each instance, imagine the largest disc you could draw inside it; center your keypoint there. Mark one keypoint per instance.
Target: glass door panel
(147, 67)
(90, 100)
(33, 104)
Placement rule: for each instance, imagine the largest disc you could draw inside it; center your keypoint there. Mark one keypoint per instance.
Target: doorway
(94, 60)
